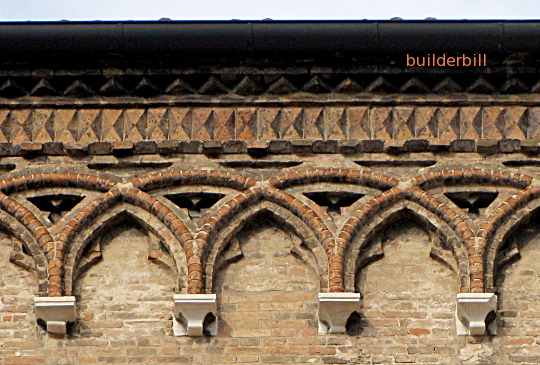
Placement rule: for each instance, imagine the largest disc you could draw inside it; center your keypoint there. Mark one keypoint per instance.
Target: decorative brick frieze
(238, 82)
(335, 207)
(219, 129)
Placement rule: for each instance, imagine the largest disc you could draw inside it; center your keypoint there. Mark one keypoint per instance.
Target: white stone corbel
(472, 310)
(190, 311)
(56, 312)
(335, 309)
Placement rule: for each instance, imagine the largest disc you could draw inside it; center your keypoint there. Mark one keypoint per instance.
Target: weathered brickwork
(349, 120)
(266, 239)
(268, 186)
(244, 81)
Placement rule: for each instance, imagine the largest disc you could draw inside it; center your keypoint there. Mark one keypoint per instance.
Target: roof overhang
(261, 38)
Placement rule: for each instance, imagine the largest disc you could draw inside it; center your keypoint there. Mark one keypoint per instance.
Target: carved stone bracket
(55, 312)
(472, 312)
(195, 315)
(335, 309)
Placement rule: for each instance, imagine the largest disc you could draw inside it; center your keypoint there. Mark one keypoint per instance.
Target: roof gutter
(243, 38)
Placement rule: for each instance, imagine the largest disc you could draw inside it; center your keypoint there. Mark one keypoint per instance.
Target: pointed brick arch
(508, 216)
(42, 238)
(287, 220)
(419, 215)
(19, 231)
(90, 212)
(441, 215)
(212, 225)
(152, 223)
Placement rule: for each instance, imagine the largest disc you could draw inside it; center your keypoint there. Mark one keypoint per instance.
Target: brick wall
(267, 272)
(267, 304)
(124, 204)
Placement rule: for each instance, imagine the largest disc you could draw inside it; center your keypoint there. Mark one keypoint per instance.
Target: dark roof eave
(252, 38)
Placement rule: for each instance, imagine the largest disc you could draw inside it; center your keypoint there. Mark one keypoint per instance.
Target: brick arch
(85, 215)
(441, 215)
(463, 176)
(314, 218)
(19, 231)
(155, 180)
(88, 213)
(212, 224)
(35, 178)
(286, 219)
(510, 215)
(350, 176)
(419, 215)
(152, 223)
(41, 236)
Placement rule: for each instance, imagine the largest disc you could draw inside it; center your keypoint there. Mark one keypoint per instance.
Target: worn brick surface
(438, 125)
(518, 309)
(266, 182)
(276, 218)
(267, 307)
